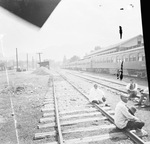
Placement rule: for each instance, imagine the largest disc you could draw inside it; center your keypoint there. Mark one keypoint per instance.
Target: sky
(74, 28)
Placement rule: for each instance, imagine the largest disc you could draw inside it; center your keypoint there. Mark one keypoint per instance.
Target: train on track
(108, 60)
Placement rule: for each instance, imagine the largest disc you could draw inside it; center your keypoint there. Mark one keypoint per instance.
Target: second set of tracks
(111, 85)
(69, 118)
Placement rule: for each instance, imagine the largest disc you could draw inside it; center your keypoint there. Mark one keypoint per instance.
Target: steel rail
(60, 137)
(84, 74)
(130, 134)
(102, 84)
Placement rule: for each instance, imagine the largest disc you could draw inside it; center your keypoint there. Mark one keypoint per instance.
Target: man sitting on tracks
(144, 95)
(132, 89)
(124, 119)
(97, 96)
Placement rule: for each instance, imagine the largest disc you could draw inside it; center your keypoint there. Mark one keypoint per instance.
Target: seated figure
(124, 117)
(144, 95)
(97, 96)
(132, 89)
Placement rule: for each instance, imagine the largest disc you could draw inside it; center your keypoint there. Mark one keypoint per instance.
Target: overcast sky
(74, 28)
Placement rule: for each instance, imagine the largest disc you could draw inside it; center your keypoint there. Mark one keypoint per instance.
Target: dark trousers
(133, 125)
(132, 94)
(117, 75)
(121, 76)
(97, 101)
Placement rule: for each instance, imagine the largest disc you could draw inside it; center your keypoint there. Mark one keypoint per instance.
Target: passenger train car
(108, 60)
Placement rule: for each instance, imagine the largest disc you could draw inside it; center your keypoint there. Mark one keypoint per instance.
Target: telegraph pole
(32, 62)
(39, 56)
(27, 61)
(16, 59)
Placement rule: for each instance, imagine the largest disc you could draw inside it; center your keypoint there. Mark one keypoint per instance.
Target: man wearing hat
(123, 118)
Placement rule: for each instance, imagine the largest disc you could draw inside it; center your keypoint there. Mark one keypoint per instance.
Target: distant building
(44, 64)
(97, 48)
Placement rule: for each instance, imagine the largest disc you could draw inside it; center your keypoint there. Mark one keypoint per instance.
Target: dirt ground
(27, 91)
(26, 102)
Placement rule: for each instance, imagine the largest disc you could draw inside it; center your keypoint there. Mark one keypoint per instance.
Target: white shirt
(134, 89)
(96, 94)
(146, 90)
(122, 115)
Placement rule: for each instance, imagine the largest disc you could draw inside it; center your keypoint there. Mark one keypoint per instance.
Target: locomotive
(129, 53)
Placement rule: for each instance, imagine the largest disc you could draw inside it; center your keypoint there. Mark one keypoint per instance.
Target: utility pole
(27, 61)
(32, 62)
(16, 59)
(39, 56)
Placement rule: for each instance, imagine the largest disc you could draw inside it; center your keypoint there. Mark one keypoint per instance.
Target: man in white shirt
(123, 118)
(132, 89)
(97, 96)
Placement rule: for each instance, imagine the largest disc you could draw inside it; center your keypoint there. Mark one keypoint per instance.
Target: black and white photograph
(74, 72)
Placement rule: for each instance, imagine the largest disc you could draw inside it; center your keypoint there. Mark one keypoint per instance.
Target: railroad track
(69, 118)
(95, 77)
(105, 83)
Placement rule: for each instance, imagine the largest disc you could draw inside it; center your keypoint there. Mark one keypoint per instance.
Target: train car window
(141, 57)
(124, 58)
(139, 40)
(132, 57)
(103, 60)
(120, 59)
(107, 60)
(99, 60)
(114, 60)
(111, 59)
(117, 59)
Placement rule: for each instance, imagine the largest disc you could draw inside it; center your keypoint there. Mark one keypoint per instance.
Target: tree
(2, 65)
(74, 58)
(64, 60)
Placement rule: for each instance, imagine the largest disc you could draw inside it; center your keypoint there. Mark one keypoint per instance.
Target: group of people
(124, 116)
